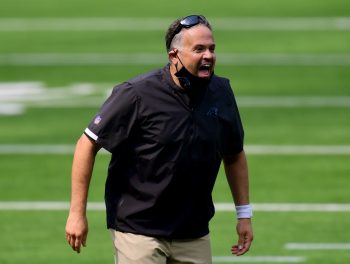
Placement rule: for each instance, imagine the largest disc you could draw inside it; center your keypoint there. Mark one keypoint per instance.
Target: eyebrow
(204, 46)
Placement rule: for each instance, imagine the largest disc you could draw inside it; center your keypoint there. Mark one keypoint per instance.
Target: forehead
(198, 35)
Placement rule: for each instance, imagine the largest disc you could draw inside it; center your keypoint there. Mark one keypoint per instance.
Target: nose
(208, 55)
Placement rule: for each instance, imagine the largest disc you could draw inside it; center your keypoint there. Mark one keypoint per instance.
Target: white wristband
(244, 211)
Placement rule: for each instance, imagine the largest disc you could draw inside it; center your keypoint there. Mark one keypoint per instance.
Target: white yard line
(219, 207)
(65, 59)
(283, 59)
(293, 101)
(15, 96)
(156, 23)
(285, 23)
(46, 206)
(36, 149)
(67, 149)
(10, 109)
(37, 94)
(157, 59)
(258, 259)
(288, 207)
(318, 246)
(297, 150)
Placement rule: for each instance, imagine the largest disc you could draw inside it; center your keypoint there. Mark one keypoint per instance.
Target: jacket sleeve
(113, 124)
(233, 133)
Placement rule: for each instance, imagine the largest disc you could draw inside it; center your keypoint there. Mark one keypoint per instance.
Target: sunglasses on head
(188, 22)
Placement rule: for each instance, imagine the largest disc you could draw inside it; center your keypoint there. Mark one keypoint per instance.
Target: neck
(173, 70)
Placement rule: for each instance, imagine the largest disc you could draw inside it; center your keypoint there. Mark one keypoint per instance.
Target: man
(168, 132)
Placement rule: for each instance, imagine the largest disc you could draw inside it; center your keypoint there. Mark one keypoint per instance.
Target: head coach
(168, 132)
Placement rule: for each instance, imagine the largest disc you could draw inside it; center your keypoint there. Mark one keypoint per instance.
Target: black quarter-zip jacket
(166, 148)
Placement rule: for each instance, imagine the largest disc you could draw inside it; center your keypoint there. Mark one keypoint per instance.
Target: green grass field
(289, 68)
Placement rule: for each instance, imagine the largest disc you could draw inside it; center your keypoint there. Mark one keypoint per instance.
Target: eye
(199, 49)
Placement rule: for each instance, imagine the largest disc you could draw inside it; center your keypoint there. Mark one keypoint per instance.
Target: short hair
(172, 35)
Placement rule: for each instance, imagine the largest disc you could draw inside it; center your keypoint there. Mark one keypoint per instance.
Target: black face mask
(190, 82)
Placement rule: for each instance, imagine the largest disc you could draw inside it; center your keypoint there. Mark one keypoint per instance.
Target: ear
(173, 56)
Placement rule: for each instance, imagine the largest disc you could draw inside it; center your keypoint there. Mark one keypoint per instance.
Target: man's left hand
(245, 237)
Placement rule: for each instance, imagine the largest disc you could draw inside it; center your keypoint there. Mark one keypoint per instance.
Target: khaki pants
(138, 249)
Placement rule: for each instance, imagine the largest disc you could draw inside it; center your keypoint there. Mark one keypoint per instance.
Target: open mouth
(205, 69)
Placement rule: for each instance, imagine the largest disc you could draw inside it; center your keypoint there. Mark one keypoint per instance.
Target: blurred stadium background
(289, 65)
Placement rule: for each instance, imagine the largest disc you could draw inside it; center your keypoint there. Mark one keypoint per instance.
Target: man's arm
(236, 169)
(83, 163)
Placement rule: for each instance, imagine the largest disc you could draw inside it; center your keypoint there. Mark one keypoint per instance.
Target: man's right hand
(83, 162)
(76, 231)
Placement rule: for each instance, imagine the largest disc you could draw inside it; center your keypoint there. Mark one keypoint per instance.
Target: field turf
(290, 71)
